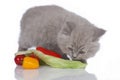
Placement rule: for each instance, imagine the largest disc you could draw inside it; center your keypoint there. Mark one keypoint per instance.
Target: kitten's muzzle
(74, 55)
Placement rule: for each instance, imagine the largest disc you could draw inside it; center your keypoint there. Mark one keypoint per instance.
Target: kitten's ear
(68, 28)
(98, 33)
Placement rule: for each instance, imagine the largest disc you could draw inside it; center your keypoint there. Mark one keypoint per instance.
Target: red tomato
(34, 56)
(48, 52)
(19, 59)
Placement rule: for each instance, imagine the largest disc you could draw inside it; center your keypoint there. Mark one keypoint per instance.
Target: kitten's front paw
(83, 61)
(64, 56)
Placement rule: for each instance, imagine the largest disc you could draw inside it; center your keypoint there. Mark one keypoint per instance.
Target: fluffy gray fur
(57, 29)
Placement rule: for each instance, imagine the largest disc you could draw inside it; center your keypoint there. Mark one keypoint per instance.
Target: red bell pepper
(19, 59)
(48, 52)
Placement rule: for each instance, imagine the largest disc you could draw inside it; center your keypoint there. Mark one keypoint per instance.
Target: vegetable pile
(32, 59)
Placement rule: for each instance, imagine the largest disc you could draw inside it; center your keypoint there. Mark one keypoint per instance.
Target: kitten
(57, 29)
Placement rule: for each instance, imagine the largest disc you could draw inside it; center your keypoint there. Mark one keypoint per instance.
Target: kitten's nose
(74, 55)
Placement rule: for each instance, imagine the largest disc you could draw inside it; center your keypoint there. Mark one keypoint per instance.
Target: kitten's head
(79, 43)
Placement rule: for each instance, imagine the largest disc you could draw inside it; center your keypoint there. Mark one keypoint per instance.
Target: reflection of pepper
(48, 52)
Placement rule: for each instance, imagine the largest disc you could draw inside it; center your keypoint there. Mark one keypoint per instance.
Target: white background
(103, 13)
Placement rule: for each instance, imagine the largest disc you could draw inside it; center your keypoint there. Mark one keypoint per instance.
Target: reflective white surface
(48, 73)
(104, 66)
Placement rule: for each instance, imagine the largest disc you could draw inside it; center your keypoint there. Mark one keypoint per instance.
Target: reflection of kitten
(57, 29)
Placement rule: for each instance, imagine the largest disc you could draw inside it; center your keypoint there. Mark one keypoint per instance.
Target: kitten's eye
(81, 52)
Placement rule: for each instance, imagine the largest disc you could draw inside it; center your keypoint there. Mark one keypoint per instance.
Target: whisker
(87, 50)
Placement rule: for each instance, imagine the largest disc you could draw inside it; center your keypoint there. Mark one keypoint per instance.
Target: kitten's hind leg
(22, 49)
(23, 45)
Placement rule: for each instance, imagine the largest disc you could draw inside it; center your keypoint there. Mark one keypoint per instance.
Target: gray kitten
(57, 29)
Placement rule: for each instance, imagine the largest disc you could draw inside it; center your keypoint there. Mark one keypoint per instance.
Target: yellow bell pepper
(30, 63)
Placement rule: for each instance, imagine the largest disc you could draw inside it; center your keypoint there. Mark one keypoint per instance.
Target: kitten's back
(41, 25)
